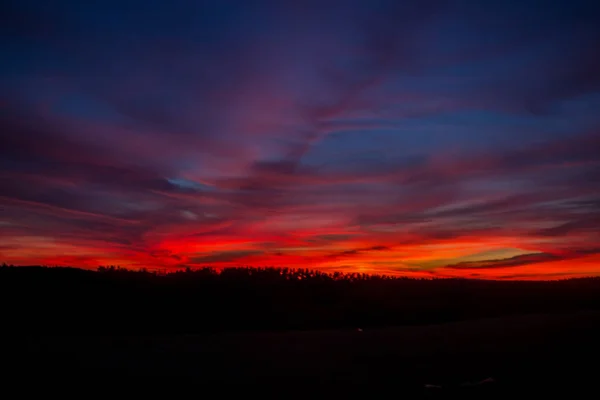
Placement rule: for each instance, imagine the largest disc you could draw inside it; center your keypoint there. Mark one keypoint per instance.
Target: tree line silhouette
(112, 299)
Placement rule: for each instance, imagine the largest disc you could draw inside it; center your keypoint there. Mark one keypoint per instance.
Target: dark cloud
(587, 224)
(516, 261)
(226, 256)
(354, 252)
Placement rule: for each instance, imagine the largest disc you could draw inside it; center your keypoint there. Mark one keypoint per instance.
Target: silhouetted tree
(206, 299)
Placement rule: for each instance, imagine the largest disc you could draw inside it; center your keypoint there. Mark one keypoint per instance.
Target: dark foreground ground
(539, 353)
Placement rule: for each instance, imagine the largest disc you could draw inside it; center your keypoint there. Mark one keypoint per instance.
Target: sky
(426, 138)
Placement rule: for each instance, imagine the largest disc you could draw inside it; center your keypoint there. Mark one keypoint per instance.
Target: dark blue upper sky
(140, 126)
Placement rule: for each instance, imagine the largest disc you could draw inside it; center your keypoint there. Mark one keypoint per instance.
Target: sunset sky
(424, 138)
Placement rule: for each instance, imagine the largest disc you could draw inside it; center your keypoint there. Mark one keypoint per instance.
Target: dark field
(67, 324)
(542, 353)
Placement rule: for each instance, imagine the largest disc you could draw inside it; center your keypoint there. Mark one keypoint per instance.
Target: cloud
(516, 261)
(354, 252)
(223, 257)
(374, 136)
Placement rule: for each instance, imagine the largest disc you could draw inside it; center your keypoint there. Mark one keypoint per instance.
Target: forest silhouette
(113, 299)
